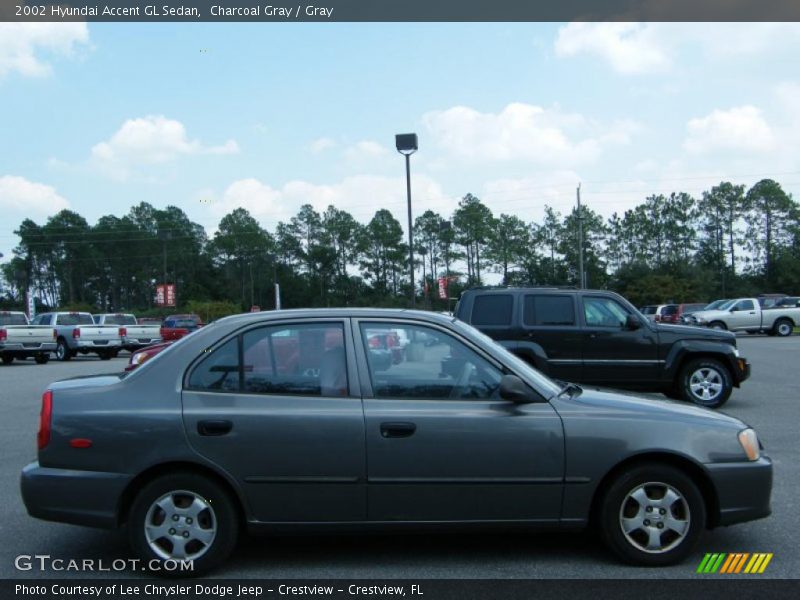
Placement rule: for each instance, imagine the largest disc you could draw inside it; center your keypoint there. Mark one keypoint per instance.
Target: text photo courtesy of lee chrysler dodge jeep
(598, 337)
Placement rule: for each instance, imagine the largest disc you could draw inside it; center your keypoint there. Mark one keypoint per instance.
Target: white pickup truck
(132, 334)
(20, 340)
(745, 314)
(77, 333)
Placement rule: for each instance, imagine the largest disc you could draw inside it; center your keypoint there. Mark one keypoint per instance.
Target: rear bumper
(743, 490)
(87, 498)
(20, 349)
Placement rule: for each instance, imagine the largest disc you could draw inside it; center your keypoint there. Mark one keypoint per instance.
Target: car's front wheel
(706, 382)
(652, 515)
(183, 517)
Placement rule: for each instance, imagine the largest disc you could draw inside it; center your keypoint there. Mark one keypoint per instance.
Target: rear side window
(219, 371)
(12, 319)
(554, 310)
(492, 309)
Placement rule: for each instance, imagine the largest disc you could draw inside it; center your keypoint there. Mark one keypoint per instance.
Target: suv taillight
(45, 416)
(123, 332)
(76, 333)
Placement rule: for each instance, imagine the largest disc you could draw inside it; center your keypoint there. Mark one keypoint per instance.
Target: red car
(175, 327)
(145, 354)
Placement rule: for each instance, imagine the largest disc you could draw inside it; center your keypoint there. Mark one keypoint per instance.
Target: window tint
(118, 320)
(669, 309)
(548, 310)
(75, 319)
(604, 312)
(415, 362)
(306, 360)
(492, 309)
(219, 371)
(745, 305)
(12, 319)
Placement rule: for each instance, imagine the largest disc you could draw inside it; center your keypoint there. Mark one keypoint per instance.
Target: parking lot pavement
(768, 401)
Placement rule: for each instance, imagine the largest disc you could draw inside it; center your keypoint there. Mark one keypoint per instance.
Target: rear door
(549, 321)
(279, 408)
(612, 353)
(442, 445)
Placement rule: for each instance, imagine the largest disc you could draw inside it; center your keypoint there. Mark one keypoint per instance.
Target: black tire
(104, 354)
(783, 327)
(718, 325)
(681, 520)
(63, 353)
(41, 359)
(705, 382)
(8, 359)
(179, 487)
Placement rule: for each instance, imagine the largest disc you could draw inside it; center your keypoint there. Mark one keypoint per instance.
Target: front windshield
(547, 385)
(726, 305)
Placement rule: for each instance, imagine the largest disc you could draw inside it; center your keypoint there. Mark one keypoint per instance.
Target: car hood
(595, 400)
(687, 331)
(710, 315)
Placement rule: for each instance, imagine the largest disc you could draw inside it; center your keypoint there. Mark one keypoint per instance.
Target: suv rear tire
(705, 382)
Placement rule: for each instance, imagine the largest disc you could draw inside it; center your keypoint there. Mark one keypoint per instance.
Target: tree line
(730, 241)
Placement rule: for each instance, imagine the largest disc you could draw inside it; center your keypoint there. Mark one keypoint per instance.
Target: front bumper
(743, 490)
(741, 370)
(87, 498)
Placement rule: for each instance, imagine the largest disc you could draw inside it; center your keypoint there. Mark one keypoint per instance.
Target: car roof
(337, 313)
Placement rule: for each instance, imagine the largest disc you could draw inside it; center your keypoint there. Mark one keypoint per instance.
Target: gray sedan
(359, 419)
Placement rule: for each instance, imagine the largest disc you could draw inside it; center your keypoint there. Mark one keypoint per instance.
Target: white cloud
(739, 129)
(365, 149)
(22, 43)
(152, 139)
(523, 132)
(322, 144)
(629, 47)
(21, 196)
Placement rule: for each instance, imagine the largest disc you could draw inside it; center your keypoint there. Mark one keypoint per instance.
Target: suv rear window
(492, 309)
(548, 310)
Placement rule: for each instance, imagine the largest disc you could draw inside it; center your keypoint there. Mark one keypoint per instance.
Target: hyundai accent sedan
(294, 420)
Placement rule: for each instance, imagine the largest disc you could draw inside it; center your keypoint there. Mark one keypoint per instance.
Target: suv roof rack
(522, 287)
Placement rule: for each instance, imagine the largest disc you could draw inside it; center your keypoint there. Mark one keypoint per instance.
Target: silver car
(297, 420)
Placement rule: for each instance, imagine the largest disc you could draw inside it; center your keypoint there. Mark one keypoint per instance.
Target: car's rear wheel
(652, 515)
(183, 517)
(63, 353)
(8, 359)
(706, 382)
(783, 327)
(41, 358)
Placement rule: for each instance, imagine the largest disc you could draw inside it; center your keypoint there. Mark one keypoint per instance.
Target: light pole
(406, 144)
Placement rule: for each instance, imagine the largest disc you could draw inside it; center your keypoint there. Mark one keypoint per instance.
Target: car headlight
(749, 441)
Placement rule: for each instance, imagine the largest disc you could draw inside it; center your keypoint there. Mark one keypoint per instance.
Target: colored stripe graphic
(740, 564)
(724, 563)
(765, 563)
(703, 563)
(726, 567)
(717, 564)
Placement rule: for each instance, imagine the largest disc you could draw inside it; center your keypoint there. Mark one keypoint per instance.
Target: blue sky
(213, 116)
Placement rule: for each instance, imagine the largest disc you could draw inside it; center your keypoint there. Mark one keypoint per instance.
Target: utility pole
(581, 274)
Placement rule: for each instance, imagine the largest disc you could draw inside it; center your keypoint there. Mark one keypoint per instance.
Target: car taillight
(45, 416)
(123, 332)
(3, 335)
(55, 334)
(76, 333)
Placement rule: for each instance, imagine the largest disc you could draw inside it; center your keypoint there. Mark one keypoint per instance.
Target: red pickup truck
(175, 327)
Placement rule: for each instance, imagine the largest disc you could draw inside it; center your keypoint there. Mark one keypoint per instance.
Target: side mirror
(631, 322)
(514, 389)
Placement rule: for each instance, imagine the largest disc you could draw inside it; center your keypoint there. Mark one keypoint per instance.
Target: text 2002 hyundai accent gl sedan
(293, 419)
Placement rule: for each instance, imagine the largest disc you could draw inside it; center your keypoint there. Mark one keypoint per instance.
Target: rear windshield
(12, 319)
(670, 309)
(181, 323)
(120, 320)
(75, 319)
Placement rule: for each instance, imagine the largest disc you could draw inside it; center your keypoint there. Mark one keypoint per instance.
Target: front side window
(604, 312)
(418, 362)
(745, 305)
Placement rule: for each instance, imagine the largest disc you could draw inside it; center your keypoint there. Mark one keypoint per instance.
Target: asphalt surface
(769, 401)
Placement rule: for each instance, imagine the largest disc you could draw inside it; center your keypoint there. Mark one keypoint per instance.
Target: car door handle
(214, 427)
(397, 430)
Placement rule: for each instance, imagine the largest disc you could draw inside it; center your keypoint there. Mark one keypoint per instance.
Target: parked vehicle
(76, 333)
(788, 302)
(176, 326)
(669, 314)
(769, 300)
(20, 340)
(652, 311)
(745, 314)
(677, 315)
(132, 335)
(220, 431)
(598, 337)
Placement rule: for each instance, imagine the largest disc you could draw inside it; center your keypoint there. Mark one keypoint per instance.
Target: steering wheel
(467, 371)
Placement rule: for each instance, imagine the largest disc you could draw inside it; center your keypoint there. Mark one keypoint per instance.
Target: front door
(441, 444)
(612, 353)
(743, 316)
(278, 408)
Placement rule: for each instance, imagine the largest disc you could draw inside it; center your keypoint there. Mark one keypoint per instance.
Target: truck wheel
(183, 516)
(783, 327)
(104, 354)
(652, 515)
(8, 359)
(717, 325)
(41, 359)
(63, 353)
(706, 382)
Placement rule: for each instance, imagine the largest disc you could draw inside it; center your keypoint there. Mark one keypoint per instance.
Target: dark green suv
(598, 337)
